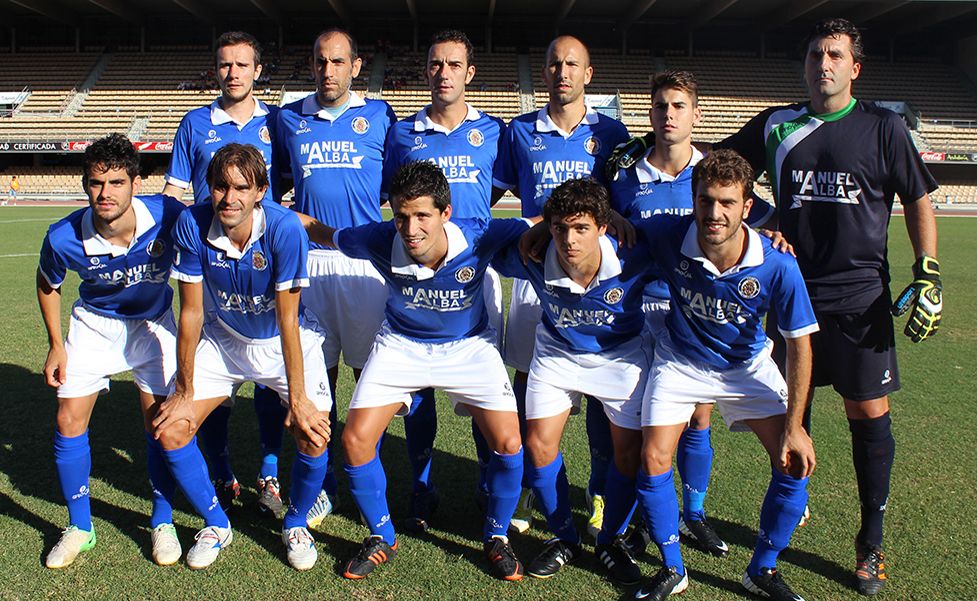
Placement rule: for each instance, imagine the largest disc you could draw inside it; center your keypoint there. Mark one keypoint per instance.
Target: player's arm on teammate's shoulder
(318, 232)
(924, 295)
(173, 191)
(796, 447)
(49, 300)
(178, 407)
(303, 419)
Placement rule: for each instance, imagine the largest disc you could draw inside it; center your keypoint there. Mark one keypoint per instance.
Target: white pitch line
(18, 255)
(26, 220)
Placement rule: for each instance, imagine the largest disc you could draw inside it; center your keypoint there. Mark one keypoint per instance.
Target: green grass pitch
(929, 525)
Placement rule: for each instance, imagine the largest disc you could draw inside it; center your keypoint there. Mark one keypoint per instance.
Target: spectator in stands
(13, 189)
(236, 116)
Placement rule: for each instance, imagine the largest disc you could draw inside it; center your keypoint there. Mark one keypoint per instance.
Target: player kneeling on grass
(122, 249)
(723, 278)
(249, 257)
(592, 341)
(436, 335)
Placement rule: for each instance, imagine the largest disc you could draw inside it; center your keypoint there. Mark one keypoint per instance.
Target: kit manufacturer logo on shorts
(475, 138)
(156, 248)
(258, 260)
(886, 377)
(465, 274)
(749, 287)
(614, 295)
(361, 125)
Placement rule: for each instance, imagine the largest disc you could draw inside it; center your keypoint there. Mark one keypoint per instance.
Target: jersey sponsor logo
(565, 317)
(465, 274)
(645, 190)
(235, 302)
(749, 287)
(361, 125)
(537, 145)
(475, 138)
(258, 260)
(648, 213)
(457, 169)
(156, 248)
(149, 273)
(824, 186)
(711, 309)
(432, 299)
(614, 295)
(219, 261)
(264, 135)
(329, 154)
(591, 145)
(550, 174)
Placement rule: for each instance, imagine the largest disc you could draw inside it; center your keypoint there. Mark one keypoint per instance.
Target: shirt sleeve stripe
(800, 331)
(297, 283)
(49, 281)
(179, 183)
(183, 277)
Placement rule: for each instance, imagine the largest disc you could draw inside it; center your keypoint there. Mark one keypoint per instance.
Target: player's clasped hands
(305, 421)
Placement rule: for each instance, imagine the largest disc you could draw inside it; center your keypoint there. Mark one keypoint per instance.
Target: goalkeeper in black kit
(836, 165)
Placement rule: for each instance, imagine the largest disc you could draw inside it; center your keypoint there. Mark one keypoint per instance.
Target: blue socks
(872, 449)
(368, 483)
(504, 477)
(213, 435)
(619, 504)
(271, 420)
(162, 481)
(553, 494)
(420, 429)
(73, 460)
(601, 445)
(782, 509)
(660, 508)
(329, 482)
(190, 471)
(307, 475)
(694, 459)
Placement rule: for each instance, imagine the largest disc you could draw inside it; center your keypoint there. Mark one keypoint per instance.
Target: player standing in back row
(836, 164)
(562, 141)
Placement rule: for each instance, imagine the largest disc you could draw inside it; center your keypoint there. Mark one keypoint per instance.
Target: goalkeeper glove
(925, 296)
(627, 154)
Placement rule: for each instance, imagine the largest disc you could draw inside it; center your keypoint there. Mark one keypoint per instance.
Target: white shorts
(348, 297)
(559, 377)
(469, 370)
(525, 314)
(225, 360)
(755, 390)
(492, 293)
(99, 347)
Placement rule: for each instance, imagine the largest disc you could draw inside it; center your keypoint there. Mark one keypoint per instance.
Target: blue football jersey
(595, 319)
(241, 285)
(203, 132)
(336, 163)
(717, 318)
(536, 156)
(127, 283)
(434, 306)
(465, 154)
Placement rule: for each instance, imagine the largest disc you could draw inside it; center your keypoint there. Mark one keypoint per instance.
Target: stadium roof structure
(950, 19)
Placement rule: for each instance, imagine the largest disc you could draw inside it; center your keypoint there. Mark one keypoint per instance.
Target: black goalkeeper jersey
(834, 179)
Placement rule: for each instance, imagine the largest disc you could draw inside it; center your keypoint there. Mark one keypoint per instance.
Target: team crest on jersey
(465, 274)
(475, 138)
(361, 125)
(591, 145)
(614, 295)
(156, 248)
(749, 287)
(264, 134)
(258, 260)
